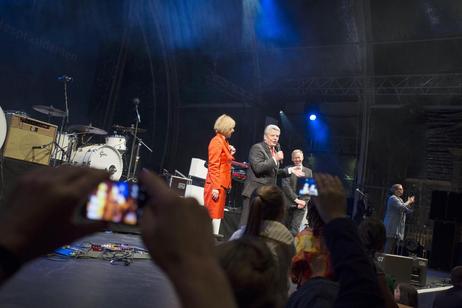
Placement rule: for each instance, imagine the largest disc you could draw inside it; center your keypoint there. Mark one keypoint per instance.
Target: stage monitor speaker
(411, 270)
(29, 140)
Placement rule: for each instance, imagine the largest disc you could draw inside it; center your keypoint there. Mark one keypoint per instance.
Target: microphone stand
(137, 157)
(64, 122)
(130, 176)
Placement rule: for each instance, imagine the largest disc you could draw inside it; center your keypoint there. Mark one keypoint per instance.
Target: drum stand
(135, 149)
(65, 121)
(131, 174)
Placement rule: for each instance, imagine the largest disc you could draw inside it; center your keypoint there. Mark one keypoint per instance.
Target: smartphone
(116, 202)
(307, 187)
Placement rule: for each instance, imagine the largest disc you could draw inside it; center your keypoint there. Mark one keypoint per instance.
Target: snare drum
(68, 145)
(100, 156)
(118, 142)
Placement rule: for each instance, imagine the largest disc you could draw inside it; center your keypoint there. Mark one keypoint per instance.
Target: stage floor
(70, 282)
(90, 282)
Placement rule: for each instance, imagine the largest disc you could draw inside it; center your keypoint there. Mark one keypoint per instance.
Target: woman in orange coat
(218, 180)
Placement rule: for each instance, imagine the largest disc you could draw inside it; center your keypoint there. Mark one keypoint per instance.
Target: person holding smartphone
(218, 181)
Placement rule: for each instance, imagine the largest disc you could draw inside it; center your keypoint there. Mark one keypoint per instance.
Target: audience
(373, 236)
(452, 297)
(358, 285)
(406, 295)
(252, 271)
(311, 267)
(40, 219)
(266, 213)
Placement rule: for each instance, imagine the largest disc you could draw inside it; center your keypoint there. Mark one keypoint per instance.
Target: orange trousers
(216, 208)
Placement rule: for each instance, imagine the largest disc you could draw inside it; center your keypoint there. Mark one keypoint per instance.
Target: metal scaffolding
(403, 84)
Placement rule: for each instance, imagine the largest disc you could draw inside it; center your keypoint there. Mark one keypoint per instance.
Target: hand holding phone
(117, 202)
(306, 187)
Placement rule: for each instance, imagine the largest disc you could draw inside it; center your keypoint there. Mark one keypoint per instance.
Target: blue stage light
(312, 117)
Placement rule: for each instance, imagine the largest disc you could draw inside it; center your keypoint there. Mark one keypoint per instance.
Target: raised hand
(331, 199)
(178, 234)
(298, 172)
(42, 206)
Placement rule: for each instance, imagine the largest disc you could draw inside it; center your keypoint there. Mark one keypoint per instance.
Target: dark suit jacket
(289, 186)
(263, 169)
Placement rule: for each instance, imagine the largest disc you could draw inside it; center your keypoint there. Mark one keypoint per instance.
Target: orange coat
(218, 175)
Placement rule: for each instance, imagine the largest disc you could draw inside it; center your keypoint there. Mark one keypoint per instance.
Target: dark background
(384, 76)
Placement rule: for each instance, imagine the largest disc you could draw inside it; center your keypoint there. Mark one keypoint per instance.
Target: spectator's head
(456, 276)
(372, 234)
(224, 125)
(311, 265)
(251, 270)
(406, 294)
(397, 190)
(266, 203)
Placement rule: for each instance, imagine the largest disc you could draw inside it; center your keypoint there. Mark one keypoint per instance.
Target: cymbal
(128, 129)
(87, 129)
(49, 110)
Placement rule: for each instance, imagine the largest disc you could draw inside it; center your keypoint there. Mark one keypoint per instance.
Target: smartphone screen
(306, 187)
(115, 202)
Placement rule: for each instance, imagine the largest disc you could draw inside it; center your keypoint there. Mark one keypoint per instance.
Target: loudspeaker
(438, 206)
(454, 210)
(446, 206)
(411, 270)
(29, 140)
(443, 244)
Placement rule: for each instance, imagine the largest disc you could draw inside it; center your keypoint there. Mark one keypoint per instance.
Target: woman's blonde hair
(224, 124)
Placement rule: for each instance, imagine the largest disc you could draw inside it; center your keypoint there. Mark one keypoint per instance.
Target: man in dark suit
(265, 159)
(296, 205)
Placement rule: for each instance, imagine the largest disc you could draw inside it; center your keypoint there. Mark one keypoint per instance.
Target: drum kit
(73, 145)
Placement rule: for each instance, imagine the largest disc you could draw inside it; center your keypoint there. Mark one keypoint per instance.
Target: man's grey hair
(271, 127)
(297, 151)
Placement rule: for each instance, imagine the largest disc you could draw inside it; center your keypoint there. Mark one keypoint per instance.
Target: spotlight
(281, 112)
(312, 117)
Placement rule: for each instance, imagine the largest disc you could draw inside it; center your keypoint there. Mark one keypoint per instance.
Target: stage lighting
(312, 117)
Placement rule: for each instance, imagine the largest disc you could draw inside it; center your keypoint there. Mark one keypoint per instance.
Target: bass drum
(3, 127)
(100, 156)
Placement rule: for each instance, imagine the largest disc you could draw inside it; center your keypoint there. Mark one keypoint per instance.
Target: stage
(69, 282)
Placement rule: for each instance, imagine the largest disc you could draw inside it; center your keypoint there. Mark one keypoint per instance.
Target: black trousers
(294, 219)
(245, 211)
